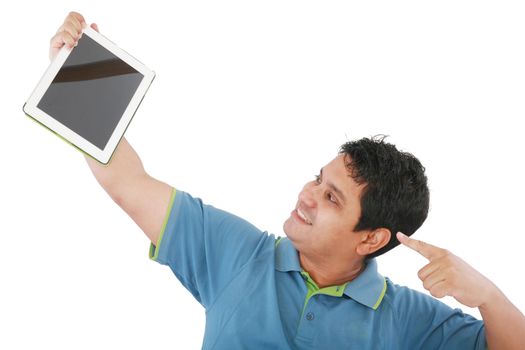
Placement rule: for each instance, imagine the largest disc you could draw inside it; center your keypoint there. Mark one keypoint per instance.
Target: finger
(427, 270)
(76, 18)
(427, 250)
(95, 27)
(71, 25)
(61, 39)
(75, 34)
(439, 290)
(433, 279)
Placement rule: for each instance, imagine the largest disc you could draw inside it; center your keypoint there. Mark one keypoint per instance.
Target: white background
(251, 99)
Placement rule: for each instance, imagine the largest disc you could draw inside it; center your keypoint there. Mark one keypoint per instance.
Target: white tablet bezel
(103, 156)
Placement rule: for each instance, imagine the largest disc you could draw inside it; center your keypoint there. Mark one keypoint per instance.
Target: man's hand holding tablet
(91, 90)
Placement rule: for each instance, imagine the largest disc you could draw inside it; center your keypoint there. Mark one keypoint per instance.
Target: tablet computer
(89, 94)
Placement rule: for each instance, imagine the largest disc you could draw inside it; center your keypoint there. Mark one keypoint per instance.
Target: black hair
(395, 194)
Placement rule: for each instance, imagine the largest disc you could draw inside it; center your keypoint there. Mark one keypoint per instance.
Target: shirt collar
(367, 289)
(286, 257)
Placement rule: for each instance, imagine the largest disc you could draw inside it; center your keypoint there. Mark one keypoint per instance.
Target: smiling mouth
(303, 217)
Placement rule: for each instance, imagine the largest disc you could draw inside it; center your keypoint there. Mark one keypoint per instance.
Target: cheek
(336, 225)
(330, 218)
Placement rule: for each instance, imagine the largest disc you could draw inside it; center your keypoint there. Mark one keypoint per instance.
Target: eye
(331, 198)
(329, 195)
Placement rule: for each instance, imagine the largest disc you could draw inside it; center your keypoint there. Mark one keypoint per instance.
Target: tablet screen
(91, 92)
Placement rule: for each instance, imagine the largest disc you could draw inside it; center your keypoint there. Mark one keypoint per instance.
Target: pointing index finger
(427, 250)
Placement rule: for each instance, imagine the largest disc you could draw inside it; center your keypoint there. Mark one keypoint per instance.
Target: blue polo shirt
(257, 296)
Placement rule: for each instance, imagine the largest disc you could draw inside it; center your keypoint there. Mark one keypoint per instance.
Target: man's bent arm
(504, 323)
(447, 274)
(142, 197)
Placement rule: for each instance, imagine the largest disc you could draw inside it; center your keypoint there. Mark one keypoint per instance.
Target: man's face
(326, 213)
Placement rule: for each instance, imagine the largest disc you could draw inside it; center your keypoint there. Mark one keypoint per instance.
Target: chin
(286, 226)
(293, 232)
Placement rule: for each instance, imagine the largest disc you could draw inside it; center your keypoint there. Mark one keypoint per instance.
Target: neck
(329, 273)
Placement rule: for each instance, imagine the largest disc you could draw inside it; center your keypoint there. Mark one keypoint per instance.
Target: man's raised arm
(142, 197)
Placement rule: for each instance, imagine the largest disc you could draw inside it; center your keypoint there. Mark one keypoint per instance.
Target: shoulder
(194, 230)
(402, 298)
(426, 322)
(414, 309)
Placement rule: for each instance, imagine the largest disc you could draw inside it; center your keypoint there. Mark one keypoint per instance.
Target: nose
(308, 195)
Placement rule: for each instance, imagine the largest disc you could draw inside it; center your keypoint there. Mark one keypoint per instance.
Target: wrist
(493, 297)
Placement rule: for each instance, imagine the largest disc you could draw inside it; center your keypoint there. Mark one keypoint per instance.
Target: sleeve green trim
(380, 299)
(154, 251)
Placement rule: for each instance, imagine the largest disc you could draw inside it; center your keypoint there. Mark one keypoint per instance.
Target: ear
(373, 240)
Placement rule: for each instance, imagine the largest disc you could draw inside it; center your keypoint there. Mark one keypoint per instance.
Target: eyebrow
(334, 188)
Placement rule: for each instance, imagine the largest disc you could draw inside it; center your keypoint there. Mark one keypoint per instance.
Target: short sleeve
(428, 323)
(205, 247)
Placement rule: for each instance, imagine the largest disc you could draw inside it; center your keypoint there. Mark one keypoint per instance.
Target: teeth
(302, 216)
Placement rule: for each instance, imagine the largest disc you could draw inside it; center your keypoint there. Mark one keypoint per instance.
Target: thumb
(94, 26)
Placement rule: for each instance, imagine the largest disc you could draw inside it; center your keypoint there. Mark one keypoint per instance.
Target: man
(318, 288)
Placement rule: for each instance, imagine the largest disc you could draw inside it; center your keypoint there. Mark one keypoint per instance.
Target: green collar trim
(381, 296)
(334, 291)
(368, 289)
(313, 289)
